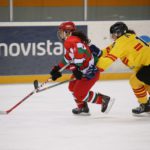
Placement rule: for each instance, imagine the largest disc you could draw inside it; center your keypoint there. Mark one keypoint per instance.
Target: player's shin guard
(102, 99)
(93, 98)
(82, 107)
(141, 94)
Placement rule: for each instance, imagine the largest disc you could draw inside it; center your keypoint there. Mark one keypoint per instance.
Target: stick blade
(3, 112)
(36, 84)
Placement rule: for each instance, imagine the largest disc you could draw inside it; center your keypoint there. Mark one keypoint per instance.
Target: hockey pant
(143, 74)
(140, 89)
(81, 91)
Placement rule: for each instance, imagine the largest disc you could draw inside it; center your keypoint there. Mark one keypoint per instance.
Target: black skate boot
(142, 108)
(107, 103)
(84, 110)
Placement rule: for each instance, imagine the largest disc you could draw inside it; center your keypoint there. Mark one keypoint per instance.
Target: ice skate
(107, 103)
(142, 108)
(83, 110)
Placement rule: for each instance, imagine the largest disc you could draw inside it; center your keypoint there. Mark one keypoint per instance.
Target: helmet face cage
(118, 29)
(61, 35)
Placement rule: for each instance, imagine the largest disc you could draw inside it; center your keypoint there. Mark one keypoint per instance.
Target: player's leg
(81, 106)
(82, 94)
(140, 92)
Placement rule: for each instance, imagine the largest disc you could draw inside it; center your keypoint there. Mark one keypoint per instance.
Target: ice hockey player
(83, 68)
(134, 53)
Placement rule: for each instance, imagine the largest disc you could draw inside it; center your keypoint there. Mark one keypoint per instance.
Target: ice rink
(45, 121)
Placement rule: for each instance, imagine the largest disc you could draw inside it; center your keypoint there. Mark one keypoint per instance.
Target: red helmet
(67, 26)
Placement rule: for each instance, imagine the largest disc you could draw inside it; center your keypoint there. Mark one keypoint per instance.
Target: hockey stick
(31, 93)
(51, 86)
(36, 85)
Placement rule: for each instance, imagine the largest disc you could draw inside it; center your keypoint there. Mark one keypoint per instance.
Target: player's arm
(107, 50)
(110, 57)
(55, 73)
(66, 58)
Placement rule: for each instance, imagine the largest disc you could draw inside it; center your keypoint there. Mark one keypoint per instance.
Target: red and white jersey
(77, 52)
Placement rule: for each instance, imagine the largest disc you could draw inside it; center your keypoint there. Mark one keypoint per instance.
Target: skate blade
(83, 114)
(109, 105)
(3, 112)
(145, 114)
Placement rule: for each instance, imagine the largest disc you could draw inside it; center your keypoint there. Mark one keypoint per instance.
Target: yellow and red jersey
(132, 51)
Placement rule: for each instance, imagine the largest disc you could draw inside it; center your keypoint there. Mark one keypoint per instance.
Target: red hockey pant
(80, 88)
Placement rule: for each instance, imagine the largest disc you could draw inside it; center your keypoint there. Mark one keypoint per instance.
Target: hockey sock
(93, 98)
(80, 104)
(141, 94)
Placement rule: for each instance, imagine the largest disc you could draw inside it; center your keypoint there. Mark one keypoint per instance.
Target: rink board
(43, 78)
(28, 50)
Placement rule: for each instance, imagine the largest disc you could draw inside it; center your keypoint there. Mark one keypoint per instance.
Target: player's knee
(132, 80)
(79, 96)
(70, 87)
(135, 82)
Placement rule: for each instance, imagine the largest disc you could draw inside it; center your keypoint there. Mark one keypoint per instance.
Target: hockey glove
(55, 74)
(91, 72)
(95, 51)
(77, 73)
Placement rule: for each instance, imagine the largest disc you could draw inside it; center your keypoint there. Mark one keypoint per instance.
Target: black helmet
(118, 28)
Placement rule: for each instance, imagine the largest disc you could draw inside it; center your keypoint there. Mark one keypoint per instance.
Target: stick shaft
(30, 94)
(51, 86)
(21, 101)
(50, 79)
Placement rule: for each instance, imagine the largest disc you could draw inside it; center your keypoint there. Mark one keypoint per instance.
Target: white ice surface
(45, 121)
